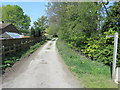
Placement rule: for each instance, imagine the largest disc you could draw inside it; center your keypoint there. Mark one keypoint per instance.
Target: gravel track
(42, 69)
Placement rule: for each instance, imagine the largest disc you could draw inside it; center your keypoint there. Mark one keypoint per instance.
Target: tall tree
(32, 33)
(79, 24)
(113, 20)
(40, 26)
(15, 15)
(74, 17)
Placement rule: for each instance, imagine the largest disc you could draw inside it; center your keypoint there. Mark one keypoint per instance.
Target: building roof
(3, 25)
(7, 27)
(14, 35)
(10, 35)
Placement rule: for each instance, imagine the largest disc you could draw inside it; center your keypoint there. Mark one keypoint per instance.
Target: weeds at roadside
(50, 44)
(48, 48)
(93, 74)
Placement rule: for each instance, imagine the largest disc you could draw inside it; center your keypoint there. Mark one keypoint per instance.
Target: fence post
(114, 56)
(14, 46)
(9, 50)
(3, 51)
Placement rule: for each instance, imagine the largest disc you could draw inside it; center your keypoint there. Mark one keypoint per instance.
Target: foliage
(92, 74)
(32, 32)
(83, 27)
(39, 27)
(15, 15)
(100, 48)
(113, 20)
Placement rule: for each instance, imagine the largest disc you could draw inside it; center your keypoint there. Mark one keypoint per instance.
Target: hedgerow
(84, 26)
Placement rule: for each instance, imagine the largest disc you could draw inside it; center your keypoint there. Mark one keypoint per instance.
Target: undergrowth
(91, 73)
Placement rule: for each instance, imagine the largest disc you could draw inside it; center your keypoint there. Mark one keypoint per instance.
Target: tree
(112, 23)
(39, 26)
(32, 32)
(113, 20)
(15, 15)
(79, 25)
(70, 19)
(41, 23)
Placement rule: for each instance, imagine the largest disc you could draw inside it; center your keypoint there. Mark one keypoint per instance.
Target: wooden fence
(11, 46)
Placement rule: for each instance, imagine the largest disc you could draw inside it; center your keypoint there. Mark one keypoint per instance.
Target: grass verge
(10, 60)
(91, 73)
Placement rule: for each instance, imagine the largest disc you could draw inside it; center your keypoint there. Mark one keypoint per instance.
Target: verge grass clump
(93, 74)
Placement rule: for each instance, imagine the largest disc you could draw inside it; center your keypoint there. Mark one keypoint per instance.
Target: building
(7, 27)
(10, 35)
(8, 31)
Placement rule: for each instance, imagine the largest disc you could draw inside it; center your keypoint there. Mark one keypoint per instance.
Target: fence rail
(11, 46)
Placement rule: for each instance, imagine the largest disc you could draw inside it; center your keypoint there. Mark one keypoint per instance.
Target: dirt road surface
(43, 69)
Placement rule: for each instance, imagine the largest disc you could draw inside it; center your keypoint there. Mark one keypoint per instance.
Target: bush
(101, 48)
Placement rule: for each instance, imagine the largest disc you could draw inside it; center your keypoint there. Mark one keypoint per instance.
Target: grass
(10, 60)
(91, 73)
(48, 48)
(50, 44)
